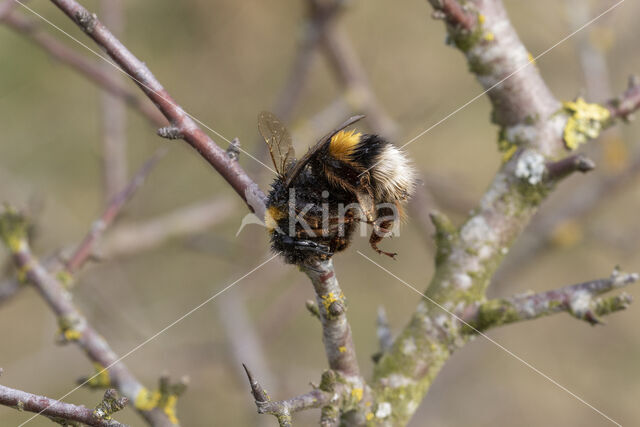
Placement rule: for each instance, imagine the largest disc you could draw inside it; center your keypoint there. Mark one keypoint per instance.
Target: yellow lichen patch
(567, 234)
(369, 416)
(531, 58)
(342, 349)
(101, 379)
(148, 400)
(508, 154)
(585, 122)
(329, 299)
(71, 335)
(343, 144)
(65, 278)
(481, 18)
(357, 394)
(489, 36)
(169, 408)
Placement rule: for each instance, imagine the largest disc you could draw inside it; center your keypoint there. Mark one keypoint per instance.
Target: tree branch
(179, 119)
(74, 327)
(61, 412)
(627, 103)
(86, 247)
(283, 409)
(578, 300)
(532, 134)
(114, 119)
(336, 332)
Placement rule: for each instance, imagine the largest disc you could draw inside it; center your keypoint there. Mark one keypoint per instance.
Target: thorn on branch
(170, 132)
(562, 168)
(233, 150)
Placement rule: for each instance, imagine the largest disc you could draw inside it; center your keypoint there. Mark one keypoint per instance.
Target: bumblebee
(346, 178)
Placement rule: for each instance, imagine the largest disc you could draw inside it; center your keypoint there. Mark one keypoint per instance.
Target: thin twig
(114, 137)
(578, 300)
(85, 249)
(74, 327)
(60, 412)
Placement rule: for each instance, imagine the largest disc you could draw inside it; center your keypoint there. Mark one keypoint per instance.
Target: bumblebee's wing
(278, 140)
(300, 164)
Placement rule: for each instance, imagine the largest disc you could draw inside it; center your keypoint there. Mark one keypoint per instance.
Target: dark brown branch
(85, 249)
(74, 326)
(89, 69)
(190, 131)
(578, 300)
(60, 411)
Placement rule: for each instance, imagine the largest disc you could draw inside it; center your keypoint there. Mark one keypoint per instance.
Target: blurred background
(224, 61)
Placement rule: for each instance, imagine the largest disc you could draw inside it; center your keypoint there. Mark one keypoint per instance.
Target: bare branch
(60, 411)
(74, 327)
(576, 163)
(578, 300)
(85, 249)
(114, 129)
(191, 133)
(336, 332)
(89, 69)
(283, 409)
(350, 72)
(454, 13)
(627, 103)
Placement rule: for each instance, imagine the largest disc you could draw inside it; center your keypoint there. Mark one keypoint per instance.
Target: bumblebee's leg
(307, 245)
(384, 229)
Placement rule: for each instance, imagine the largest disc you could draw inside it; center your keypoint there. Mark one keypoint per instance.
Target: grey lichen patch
(531, 167)
(86, 20)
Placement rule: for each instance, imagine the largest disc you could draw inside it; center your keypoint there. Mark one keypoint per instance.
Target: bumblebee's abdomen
(392, 174)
